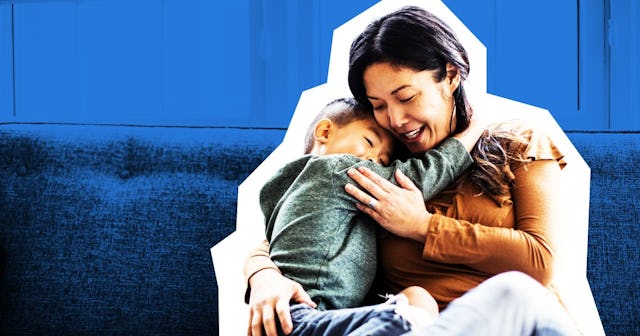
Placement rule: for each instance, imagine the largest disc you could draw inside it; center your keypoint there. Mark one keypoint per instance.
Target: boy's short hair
(340, 111)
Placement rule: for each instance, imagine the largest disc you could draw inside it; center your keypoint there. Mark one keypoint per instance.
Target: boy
(317, 236)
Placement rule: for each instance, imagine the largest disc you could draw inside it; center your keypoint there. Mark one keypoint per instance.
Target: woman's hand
(271, 293)
(399, 210)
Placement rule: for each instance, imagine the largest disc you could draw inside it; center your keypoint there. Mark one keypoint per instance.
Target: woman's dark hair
(414, 38)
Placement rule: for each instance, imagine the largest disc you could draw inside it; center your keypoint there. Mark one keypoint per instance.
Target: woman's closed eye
(406, 100)
(379, 107)
(403, 100)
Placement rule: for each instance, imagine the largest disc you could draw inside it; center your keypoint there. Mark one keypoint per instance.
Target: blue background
(244, 63)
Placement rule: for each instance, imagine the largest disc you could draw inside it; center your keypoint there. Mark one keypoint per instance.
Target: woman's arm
(258, 260)
(526, 247)
(269, 293)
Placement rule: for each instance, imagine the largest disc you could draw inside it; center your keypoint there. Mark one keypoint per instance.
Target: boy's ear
(322, 131)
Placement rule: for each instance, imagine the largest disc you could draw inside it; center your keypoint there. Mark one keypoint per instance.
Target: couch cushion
(612, 263)
(108, 228)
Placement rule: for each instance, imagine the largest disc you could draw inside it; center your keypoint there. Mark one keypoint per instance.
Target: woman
(409, 68)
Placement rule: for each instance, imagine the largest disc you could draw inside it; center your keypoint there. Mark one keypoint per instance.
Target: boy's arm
(257, 260)
(432, 173)
(276, 187)
(441, 166)
(270, 194)
(470, 136)
(437, 168)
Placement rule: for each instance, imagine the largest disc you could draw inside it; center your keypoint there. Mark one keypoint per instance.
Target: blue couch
(107, 229)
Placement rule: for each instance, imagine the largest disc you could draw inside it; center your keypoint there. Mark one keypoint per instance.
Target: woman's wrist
(262, 275)
(422, 229)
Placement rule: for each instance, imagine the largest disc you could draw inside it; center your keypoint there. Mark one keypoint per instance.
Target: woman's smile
(412, 136)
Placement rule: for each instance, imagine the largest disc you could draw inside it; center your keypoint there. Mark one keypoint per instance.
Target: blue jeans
(510, 303)
(380, 319)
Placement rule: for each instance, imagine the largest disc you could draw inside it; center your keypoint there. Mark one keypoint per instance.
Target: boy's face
(363, 138)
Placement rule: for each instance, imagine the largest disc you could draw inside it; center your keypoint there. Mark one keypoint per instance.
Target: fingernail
(350, 171)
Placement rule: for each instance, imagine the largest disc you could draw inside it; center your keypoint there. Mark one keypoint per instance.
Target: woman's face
(412, 105)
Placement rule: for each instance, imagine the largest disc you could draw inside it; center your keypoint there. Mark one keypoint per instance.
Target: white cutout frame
(571, 257)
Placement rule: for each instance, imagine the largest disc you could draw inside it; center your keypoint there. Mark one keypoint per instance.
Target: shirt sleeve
(257, 261)
(438, 168)
(528, 245)
(435, 170)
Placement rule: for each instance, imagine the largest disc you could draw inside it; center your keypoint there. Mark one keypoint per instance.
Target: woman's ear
(453, 77)
(322, 131)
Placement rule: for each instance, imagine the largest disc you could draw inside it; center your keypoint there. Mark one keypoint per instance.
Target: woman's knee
(515, 286)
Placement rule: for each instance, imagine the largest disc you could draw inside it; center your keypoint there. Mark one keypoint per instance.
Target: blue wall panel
(593, 64)
(46, 60)
(142, 62)
(119, 60)
(6, 60)
(624, 43)
(290, 47)
(536, 55)
(245, 63)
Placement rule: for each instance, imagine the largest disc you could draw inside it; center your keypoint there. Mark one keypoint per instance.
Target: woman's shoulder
(507, 146)
(529, 140)
(523, 121)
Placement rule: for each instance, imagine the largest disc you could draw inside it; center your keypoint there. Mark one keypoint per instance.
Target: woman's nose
(397, 117)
